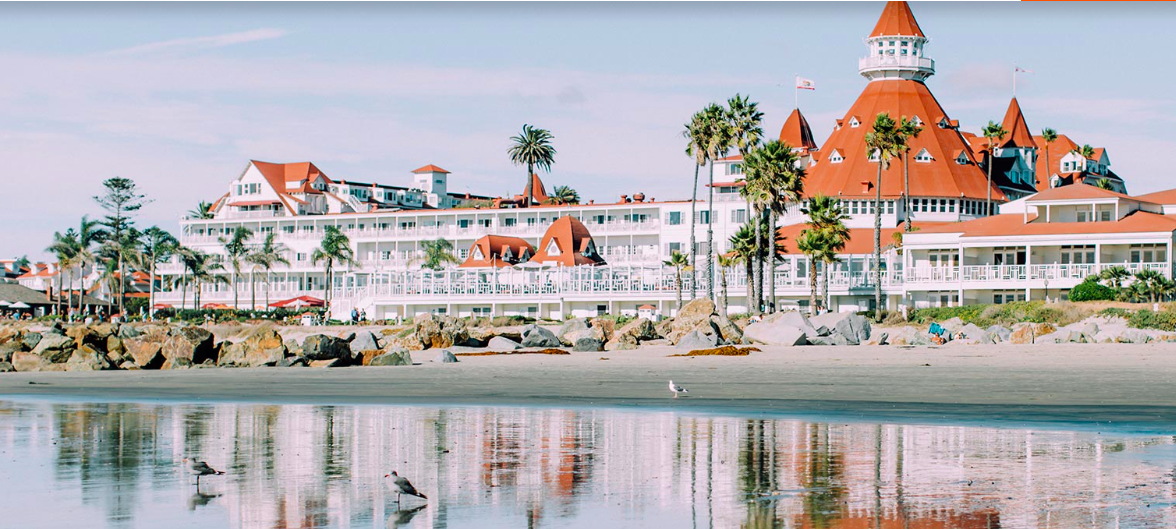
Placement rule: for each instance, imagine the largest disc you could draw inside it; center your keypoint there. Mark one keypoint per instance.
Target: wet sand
(1119, 386)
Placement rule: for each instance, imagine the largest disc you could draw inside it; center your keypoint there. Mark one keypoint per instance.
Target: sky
(179, 97)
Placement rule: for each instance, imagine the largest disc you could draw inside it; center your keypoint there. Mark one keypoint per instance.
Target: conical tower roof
(897, 19)
(943, 148)
(1014, 123)
(796, 132)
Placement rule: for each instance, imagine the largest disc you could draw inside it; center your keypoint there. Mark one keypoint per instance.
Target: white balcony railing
(896, 61)
(1019, 273)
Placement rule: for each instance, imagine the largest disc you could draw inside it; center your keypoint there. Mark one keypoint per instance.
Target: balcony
(1060, 275)
(896, 62)
(258, 214)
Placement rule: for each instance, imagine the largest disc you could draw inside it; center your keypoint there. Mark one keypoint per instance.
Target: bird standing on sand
(400, 485)
(200, 468)
(677, 389)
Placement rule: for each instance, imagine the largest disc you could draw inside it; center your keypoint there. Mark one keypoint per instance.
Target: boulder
(324, 347)
(728, 331)
(191, 343)
(854, 327)
(54, 348)
(908, 336)
(605, 326)
(263, 346)
(1090, 329)
(127, 331)
(618, 345)
(291, 361)
(999, 333)
(363, 341)
(87, 358)
(536, 336)
(178, 362)
(1104, 337)
(502, 343)
(952, 325)
(114, 346)
(803, 322)
(975, 333)
(393, 357)
(10, 347)
(440, 331)
(570, 326)
(334, 362)
(31, 339)
(775, 331)
(832, 339)
(694, 316)
(478, 336)
(6, 367)
(26, 361)
(660, 342)
(587, 343)
(879, 338)
(405, 339)
(636, 331)
(448, 357)
(698, 309)
(1022, 333)
(1127, 336)
(697, 340)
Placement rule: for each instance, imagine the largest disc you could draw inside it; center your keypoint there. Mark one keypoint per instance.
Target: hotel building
(1049, 226)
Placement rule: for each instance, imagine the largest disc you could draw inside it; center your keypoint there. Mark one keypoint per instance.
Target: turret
(895, 49)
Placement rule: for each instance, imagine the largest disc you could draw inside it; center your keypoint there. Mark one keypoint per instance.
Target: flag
(805, 84)
(1020, 69)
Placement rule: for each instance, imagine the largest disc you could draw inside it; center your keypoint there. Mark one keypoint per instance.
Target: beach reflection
(299, 466)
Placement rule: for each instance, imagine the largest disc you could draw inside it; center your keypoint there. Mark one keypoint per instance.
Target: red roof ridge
(897, 19)
(1014, 122)
(430, 169)
(796, 132)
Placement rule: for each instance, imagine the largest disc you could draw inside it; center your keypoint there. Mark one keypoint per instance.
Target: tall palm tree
(118, 251)
(719, 138)
(88, 235)
(532, 148)
(1104, 183)
(679, 263)
(726, 262)
(335, 248)
(264, 257)
(1085, 151)
(20, 264)
(201, 268)
(994, 132)
(827, 215)
(746, 133)
(744, 247)
(236, 249)
(776, 179)
(884, 142)
(1114, 276)
(437, 254)
(563, 195)
(1050, 136)
(907, 131)
(813, 243)
(158, 247)
(62, 248)
(202, 211)
(697, 138)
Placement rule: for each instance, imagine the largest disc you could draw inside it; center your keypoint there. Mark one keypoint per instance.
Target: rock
(1104, 337)
(660, 342)
(291, 361)
(1127, 336)
(31, 339)
(26, 362)
(698, 309)
(974, 332)
(606, 327)
(480, 335)
(728, 331)
(1090, 329)
(144, 352)
(1022, 333)
(393, 357)
(10, 347)
(178, 362)
(334, 362)
(1044, 328)
(190, 343)
(323, 347)
(127, 331)
(803, 322)
(502, 343)
(405, 339)
(114, 346)
(999, 333)
(952, 325)
(587, 343)
(909, 336)
(832, 339)
(87, 358)
(570, 326)
(776, 332)
(440, 332)
(636, 331)
(536, 336)
(697, 340)
(618, 345)
(879, 339)
(363, 341)
(54, 348)
(6, 367)
(263, 346)
(1053, 337)
(691, 318)
(448, 358)
(854, 327)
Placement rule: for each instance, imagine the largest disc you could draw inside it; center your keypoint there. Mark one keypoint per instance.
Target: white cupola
(895, 49)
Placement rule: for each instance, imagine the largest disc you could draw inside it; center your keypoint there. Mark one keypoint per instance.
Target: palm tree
(1085, 151)
(334, 248)
(1151, 283)
(884, 142)
(907, 131)
(719, 137)
(88, 234)
(62, 248)
(679, 263)
(532, 148)
(1114, 276)
(436, 254)
(826, 215)
(20, 264)
(726, 262)
(813, 243)
(746, 133)
(696, 134)
(563, 195)
(202, 268)
(158, 246)
(1050, 136)
(744, 247)
(775, 179)
(264, 257)
(118, 251)
(236, 249)
(203, 211)
(1104, 183)
(994, 132)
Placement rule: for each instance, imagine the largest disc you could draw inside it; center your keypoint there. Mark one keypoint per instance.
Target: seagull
(200, 468)
(677, 389)
(401, 485)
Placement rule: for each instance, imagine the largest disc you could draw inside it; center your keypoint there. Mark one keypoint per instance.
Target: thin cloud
(200, 43)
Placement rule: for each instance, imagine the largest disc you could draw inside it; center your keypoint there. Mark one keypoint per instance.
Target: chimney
(640, 197)
(624, 198)
(867, 186)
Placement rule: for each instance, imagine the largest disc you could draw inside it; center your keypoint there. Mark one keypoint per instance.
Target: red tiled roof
(255, 202)
(1014, 123)
(1057, 150)
(572, 239)
(1014, 223)
(861, 240)
(430, 169)
(897, 19)
(1077, 192)
(1166, 197)
(492, 247)
(796, 132)
(277, 174)
(942, 177)
(732, 158)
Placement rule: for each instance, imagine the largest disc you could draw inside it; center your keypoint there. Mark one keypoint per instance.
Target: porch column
(1047, 212)
(1029, 267)
(959, 269)
(1168, 259)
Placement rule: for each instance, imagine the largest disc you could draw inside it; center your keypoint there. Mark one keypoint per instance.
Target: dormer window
(962, 159)
(944, 123)
(923, 157)
(835, 157)
(918, 122)
(853, 122)
(477, 254)
(552, 249)
(506, 254)
(874, 155)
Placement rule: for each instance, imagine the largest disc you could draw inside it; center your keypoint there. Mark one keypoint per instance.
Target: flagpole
(1014, 80)
(796, 91)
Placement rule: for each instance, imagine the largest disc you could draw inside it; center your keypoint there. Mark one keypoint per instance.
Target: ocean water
(117, 464)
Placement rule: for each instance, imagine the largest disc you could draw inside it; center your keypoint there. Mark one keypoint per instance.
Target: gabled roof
(1078, 192)
(1014, 224)
(1014, 123)
(942, 177)
(430, 169)
(796, 132)
(277, 174)
(897, 19)
(1166, 197)
(572, 240)
(493, 247)
(1057, 150)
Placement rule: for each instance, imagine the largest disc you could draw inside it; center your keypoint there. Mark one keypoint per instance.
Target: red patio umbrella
(299, 302)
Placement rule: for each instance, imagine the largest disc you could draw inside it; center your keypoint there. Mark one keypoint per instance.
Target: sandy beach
(1083, 385)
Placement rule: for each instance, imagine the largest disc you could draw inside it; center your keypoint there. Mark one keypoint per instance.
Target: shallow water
(74, 465)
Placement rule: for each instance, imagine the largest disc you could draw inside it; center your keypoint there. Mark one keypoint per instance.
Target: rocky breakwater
(794, 328)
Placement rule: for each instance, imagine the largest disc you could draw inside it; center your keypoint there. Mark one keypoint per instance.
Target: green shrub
(1091, 291)
(1115, 312)
(1004, 314)
(1146, 319)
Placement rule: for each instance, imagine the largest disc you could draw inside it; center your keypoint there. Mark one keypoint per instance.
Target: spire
(897, 20)
(1014, 122)
(796, 132)
(895, 49)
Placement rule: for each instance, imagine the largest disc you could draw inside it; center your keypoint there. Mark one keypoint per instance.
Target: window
(674, 218)
(300, 257)
(739, 216)
(1104, 215)
(485, 223)
(835, 157)
(532, 221)
(1148, 253)
(673, 247)
(463, 223)
(1078, 254)
(1008, 296)
(734, 168)
(853, 122)
(962, 159)
(703, 217)
(923, 156)
(601, 310)
(552, 248)
(509, 222)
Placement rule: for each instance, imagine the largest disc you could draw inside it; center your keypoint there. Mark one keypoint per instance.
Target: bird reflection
(200, 499)
(402, 518)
